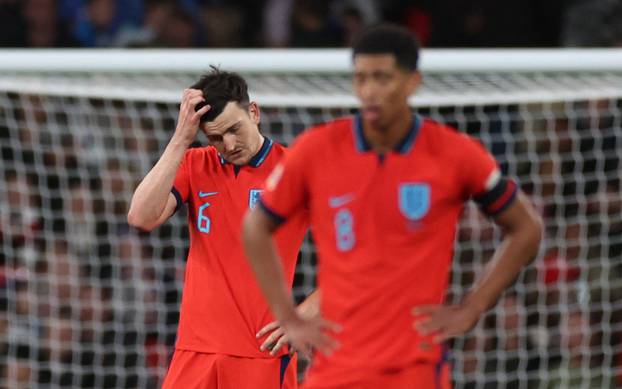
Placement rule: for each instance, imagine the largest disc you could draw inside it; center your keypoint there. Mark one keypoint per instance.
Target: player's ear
(253, 112)
(414, 81)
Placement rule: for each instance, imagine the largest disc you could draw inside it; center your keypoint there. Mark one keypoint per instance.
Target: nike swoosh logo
(207, 194)
(339, 201)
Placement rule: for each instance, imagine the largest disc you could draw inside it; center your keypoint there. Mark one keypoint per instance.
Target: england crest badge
(414, 200)
(253, 197)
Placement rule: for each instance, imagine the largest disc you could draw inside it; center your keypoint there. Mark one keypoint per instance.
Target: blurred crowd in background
(85, 301)
(306, 23)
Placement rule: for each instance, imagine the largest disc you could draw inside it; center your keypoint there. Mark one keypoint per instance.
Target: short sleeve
(483, 180)
(286, 188)
(181, 185)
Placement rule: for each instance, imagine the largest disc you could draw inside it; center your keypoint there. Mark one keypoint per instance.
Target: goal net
(89, 302)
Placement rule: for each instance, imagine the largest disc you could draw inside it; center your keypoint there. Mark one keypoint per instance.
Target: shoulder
(278, 149)
(433, 129)
(326, 133)
(277, 152)
(339, 125)
(201, 152)
(201, 156)
(445, 140)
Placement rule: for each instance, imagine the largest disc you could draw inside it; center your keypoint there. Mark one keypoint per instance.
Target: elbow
(136, 220)
(534, 231)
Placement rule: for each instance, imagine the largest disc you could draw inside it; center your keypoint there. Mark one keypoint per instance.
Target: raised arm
(153, 203)
(522, 229)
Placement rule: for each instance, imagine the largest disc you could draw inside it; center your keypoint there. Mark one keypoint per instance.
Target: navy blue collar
(403, 147)
(258, 158)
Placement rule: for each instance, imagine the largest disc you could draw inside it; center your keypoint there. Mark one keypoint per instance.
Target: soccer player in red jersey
(385, 190)
(222, 308)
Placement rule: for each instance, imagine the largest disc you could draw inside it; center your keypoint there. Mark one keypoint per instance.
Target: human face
(235, 133)
(382, 88)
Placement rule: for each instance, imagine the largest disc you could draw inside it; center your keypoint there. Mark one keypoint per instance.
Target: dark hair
(219, 88)
(389, 39)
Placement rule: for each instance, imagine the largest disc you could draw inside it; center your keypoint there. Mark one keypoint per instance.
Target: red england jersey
(384, 227)
(222, 306)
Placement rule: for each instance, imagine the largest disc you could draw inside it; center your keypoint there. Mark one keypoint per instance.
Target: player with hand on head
(385, 190)
(222, 309)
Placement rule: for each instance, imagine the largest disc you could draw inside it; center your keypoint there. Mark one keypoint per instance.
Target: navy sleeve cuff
(178, 198)
(278, 219)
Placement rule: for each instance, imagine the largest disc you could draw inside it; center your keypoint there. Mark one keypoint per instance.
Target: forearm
(264, 260)
(150, 197)
(516, 250)
(310, 307)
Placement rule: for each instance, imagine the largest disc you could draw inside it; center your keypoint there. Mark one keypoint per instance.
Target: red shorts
(419, 376)
(193, 370)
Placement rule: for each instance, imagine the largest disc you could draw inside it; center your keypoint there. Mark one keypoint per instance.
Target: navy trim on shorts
(285, 360)
(439, 366)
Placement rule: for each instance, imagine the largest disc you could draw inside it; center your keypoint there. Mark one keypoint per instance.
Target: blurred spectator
(79, 221)
(20, 215)
(303, 23)
(19, 339)
(181, 30)
(561, 265)
(490, 23)
(235, 23)
(166, 23)
(575, 368)
(43, 26)
(473, 362)
(139, 283)
(12, 25)
(354, 16)
(63, 274)
(415, 15)
(276, 22)
(313, 25)
(223, 26)
(519, 361)
(131, 11)
(593, 23)
(19, 372)
(149, 33)
(98, 23)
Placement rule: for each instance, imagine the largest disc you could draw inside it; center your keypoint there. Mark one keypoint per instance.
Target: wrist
(288, 318)
(306, 310)
(180, 141)
(474, 305)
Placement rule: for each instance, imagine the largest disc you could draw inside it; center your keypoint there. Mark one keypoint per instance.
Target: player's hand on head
(444, 322)
(189, 117)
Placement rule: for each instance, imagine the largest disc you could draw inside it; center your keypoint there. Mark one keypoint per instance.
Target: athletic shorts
(193, 370)
(419, 376)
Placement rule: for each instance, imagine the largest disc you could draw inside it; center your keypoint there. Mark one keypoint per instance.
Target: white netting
(88, 302)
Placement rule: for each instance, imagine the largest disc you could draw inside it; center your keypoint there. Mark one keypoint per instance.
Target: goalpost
(89, 302)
